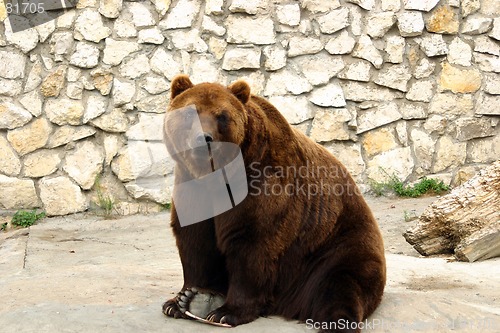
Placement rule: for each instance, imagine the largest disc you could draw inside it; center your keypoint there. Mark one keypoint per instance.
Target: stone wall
(408, 87)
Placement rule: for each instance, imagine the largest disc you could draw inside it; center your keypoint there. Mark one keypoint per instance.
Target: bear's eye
(222, 117)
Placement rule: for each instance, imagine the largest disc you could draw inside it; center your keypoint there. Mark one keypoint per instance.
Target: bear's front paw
(233, 317)
(196, 302)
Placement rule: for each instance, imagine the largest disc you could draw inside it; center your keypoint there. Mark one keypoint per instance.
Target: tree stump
(465, 222)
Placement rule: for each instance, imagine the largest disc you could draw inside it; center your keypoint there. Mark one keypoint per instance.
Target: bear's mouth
(210, 157)
(207, 150)
(200, 154)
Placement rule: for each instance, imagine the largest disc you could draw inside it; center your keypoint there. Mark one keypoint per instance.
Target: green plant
(166, 206)
(423, 186)
(104, 201)
(378, 188)
(26, 219)
(3, 226)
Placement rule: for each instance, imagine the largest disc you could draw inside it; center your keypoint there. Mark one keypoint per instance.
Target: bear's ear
(179, 84)
(241, 90)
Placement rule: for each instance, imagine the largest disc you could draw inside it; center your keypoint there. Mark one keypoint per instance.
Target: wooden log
(465, 222)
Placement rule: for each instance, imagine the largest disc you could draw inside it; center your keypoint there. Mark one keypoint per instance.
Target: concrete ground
(86, 274)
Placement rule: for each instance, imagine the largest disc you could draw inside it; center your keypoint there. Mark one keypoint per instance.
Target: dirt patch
(429, 283)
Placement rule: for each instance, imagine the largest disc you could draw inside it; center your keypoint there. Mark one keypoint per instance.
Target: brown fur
(319, 257)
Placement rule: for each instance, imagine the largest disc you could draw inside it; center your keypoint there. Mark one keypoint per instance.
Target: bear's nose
(204, 138)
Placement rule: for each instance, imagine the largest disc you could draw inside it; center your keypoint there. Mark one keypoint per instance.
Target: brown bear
(303, 244)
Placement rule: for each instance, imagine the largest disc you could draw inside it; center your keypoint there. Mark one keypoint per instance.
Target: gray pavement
(83, 273)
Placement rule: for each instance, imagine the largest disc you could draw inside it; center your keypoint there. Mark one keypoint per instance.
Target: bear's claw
(171, 309)
(225, 316)
(176, 307)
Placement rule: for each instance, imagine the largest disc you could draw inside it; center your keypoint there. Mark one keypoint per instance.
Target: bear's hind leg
(339, 305)
(347, 298)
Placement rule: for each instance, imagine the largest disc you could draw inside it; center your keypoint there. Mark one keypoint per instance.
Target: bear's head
(202, 117)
